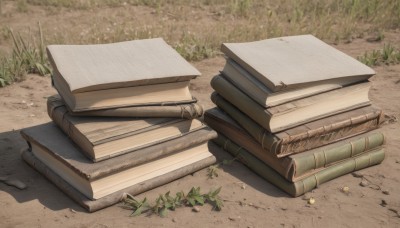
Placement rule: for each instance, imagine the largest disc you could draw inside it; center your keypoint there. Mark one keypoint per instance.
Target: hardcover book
(295, 113)
(138, 72)
(105, 137)
(189, 110)
(306, 184)
(107, 180)
(298, 166)
(249, 85)
(307, 136)
(296, 61)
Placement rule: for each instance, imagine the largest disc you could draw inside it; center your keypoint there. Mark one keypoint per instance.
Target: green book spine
(306, 184)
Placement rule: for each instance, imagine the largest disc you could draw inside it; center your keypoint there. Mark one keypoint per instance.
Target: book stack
(124, 121)
(296, 111)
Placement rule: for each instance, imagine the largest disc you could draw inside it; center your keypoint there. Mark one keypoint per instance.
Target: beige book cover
(295, 61)
(84, 68)
(106, 137)
(306, 136)
(298, 112)
(58, 158)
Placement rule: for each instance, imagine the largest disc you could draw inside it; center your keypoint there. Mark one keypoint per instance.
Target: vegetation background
(195, 28)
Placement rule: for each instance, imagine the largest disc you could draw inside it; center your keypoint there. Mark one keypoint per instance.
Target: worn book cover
(306, 184)
(106, 137)
(296, 61)
(189, 110)
(102, 180)
(298, 166)
(307, 136)
(84, 68)
(298, 112)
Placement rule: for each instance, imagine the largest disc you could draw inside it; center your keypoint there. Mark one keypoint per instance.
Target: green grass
(196, 29)
(166, 202)
(26, 57)
(388, 55)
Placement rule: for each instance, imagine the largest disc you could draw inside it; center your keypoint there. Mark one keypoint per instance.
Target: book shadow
(244, 174)
(38, 187)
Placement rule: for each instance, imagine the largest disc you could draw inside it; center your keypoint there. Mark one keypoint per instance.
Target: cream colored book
(298, 112)
(296, 61)
(106, 137)
(98, 180)
(138, 72)
(266, 97)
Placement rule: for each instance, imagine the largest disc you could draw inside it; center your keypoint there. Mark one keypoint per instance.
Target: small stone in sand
(364, 183)
(196, 209)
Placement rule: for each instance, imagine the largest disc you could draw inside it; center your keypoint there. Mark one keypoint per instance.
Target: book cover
(306, 184)
(295, 113)
(307, 136)
(295, 61)
(105, 137)
(84, 68)
(298, 166)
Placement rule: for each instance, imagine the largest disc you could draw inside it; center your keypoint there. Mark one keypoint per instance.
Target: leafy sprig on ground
(166, 202)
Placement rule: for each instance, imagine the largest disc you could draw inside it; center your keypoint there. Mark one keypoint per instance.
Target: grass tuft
(25, 58)
(388, 55)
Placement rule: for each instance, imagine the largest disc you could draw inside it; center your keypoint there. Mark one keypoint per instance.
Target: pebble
(345, 189)
(386, 192)
(364, 183)
(234, 218)
(174, 220)
(384, 203)
(311, 201)
(196, 209)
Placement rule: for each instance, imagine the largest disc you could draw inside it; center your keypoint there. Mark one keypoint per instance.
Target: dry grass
(196, 29)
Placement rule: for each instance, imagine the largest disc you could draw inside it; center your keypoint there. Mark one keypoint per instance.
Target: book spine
(116, 197)
(184, 111)
(56, 110)
(305, 164)
(229, 133)
(309, 183)
(241, 101)
(267, 140)
(327, 134)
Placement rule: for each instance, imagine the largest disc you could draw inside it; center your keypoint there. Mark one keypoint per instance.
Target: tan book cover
(188, 110)
(298, 112)
(96, 180)
(106, 137)
(295, 61)
(307, 136)
(84, 68)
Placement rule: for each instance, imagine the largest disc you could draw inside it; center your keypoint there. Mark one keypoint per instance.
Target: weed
(22, 6)
(25, 58)
(166, 202)
(388, 55)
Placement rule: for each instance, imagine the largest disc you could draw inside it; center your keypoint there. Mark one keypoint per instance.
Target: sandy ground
(250, 201)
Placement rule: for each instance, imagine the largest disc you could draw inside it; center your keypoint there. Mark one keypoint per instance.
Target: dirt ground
(250, 201)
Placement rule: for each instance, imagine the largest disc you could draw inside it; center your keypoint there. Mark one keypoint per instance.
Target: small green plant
(25, 58)
(166, 202)
(388, 55)
(212, 171)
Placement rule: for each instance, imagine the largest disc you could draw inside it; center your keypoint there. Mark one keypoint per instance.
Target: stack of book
(296, 111)
(124, 121)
